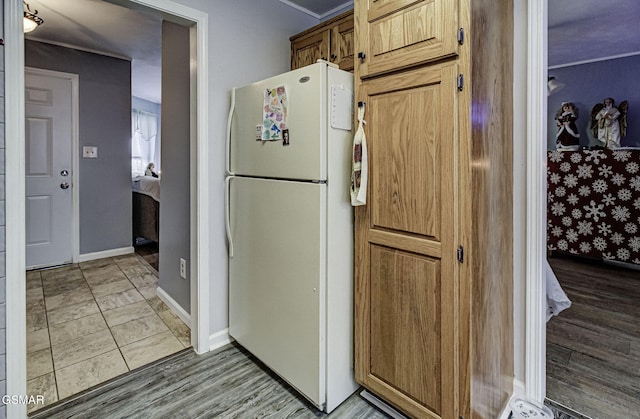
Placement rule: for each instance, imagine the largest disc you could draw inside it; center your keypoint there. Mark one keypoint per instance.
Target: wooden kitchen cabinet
(331, 41)
(406, 293)
(342, 42)
(433, 274)
(307, 50)
(395, 34)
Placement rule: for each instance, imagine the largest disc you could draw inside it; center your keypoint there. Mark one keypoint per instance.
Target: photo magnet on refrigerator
(285, 137)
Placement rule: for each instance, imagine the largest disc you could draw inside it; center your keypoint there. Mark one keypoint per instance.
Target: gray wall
(588, 84)
(174, 183)
(105, 122)
(3, 280)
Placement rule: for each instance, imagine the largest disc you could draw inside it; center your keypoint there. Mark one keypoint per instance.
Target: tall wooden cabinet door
(308, 50)
(342, 44)
(395, 34)
(407, 348)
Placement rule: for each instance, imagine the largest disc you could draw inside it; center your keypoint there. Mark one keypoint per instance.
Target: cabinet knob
(362, 55)
(334, 56)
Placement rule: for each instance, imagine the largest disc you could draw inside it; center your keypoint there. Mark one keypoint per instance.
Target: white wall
(248, 41)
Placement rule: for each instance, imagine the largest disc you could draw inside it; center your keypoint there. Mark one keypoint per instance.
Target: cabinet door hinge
(460, 254)
(461, 36)
(460, 82)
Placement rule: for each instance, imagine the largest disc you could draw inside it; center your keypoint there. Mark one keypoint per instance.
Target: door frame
(536, 206)
(75, 162)
(16, 360)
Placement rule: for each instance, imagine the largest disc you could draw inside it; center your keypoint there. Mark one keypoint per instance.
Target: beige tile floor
(92, 321)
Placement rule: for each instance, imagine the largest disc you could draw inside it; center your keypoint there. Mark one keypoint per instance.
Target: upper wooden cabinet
(331, 41)
(342, 46)
(307, 50)
(396, 34)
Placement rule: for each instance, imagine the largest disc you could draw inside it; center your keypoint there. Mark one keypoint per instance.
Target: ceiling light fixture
(553, 86)
(31, 19)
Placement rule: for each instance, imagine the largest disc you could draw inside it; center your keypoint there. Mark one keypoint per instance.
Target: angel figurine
(609, 123)
(567, 137)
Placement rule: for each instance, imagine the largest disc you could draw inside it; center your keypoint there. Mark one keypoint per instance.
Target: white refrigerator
(290, 228)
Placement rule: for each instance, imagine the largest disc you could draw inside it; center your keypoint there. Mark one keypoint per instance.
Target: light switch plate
(90, 152)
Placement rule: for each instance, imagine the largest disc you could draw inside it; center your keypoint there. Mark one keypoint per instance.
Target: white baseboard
(219, 339)
(518, 390)
(381, 404)
(518, 387)
(174, 306)
(105, 254)
(216, 340)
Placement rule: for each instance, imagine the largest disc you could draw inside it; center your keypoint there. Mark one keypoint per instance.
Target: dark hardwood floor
(149, 251)
(593, 347)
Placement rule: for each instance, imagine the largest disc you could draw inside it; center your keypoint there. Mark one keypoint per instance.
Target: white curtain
(145, 144)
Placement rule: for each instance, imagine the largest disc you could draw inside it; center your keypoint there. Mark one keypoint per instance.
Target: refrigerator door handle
(229, 120)
(227, 211)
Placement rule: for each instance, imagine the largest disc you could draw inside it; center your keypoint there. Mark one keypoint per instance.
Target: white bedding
(147, 185)
(557, 300)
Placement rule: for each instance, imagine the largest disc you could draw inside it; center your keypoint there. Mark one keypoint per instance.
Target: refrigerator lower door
(277, 278)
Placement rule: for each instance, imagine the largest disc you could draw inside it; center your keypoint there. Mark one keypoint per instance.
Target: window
(145, 144)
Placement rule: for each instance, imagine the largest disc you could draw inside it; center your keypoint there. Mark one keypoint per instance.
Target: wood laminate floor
(225, 383)
(593, 347)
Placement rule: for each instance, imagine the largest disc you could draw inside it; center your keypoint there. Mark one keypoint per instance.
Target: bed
(146, 208)
(593, 204)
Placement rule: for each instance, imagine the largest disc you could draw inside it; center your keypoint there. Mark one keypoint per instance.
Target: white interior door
(48, 170)
(277, 278)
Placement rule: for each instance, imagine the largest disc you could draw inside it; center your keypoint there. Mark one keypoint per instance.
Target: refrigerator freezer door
(277, 278)
(304, 158)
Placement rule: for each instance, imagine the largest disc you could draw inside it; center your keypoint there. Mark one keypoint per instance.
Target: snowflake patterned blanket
(593, 203)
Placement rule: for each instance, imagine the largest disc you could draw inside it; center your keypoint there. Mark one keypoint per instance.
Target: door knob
(64, 185)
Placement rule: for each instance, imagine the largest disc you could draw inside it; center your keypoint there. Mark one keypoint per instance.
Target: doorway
(51, 139)
(113, 305)
(15, 255)
(591, 367)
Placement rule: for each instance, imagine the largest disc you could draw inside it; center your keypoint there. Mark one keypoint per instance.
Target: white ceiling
(110, 29)
(579, 30)
(319, 8)
(106, 28)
